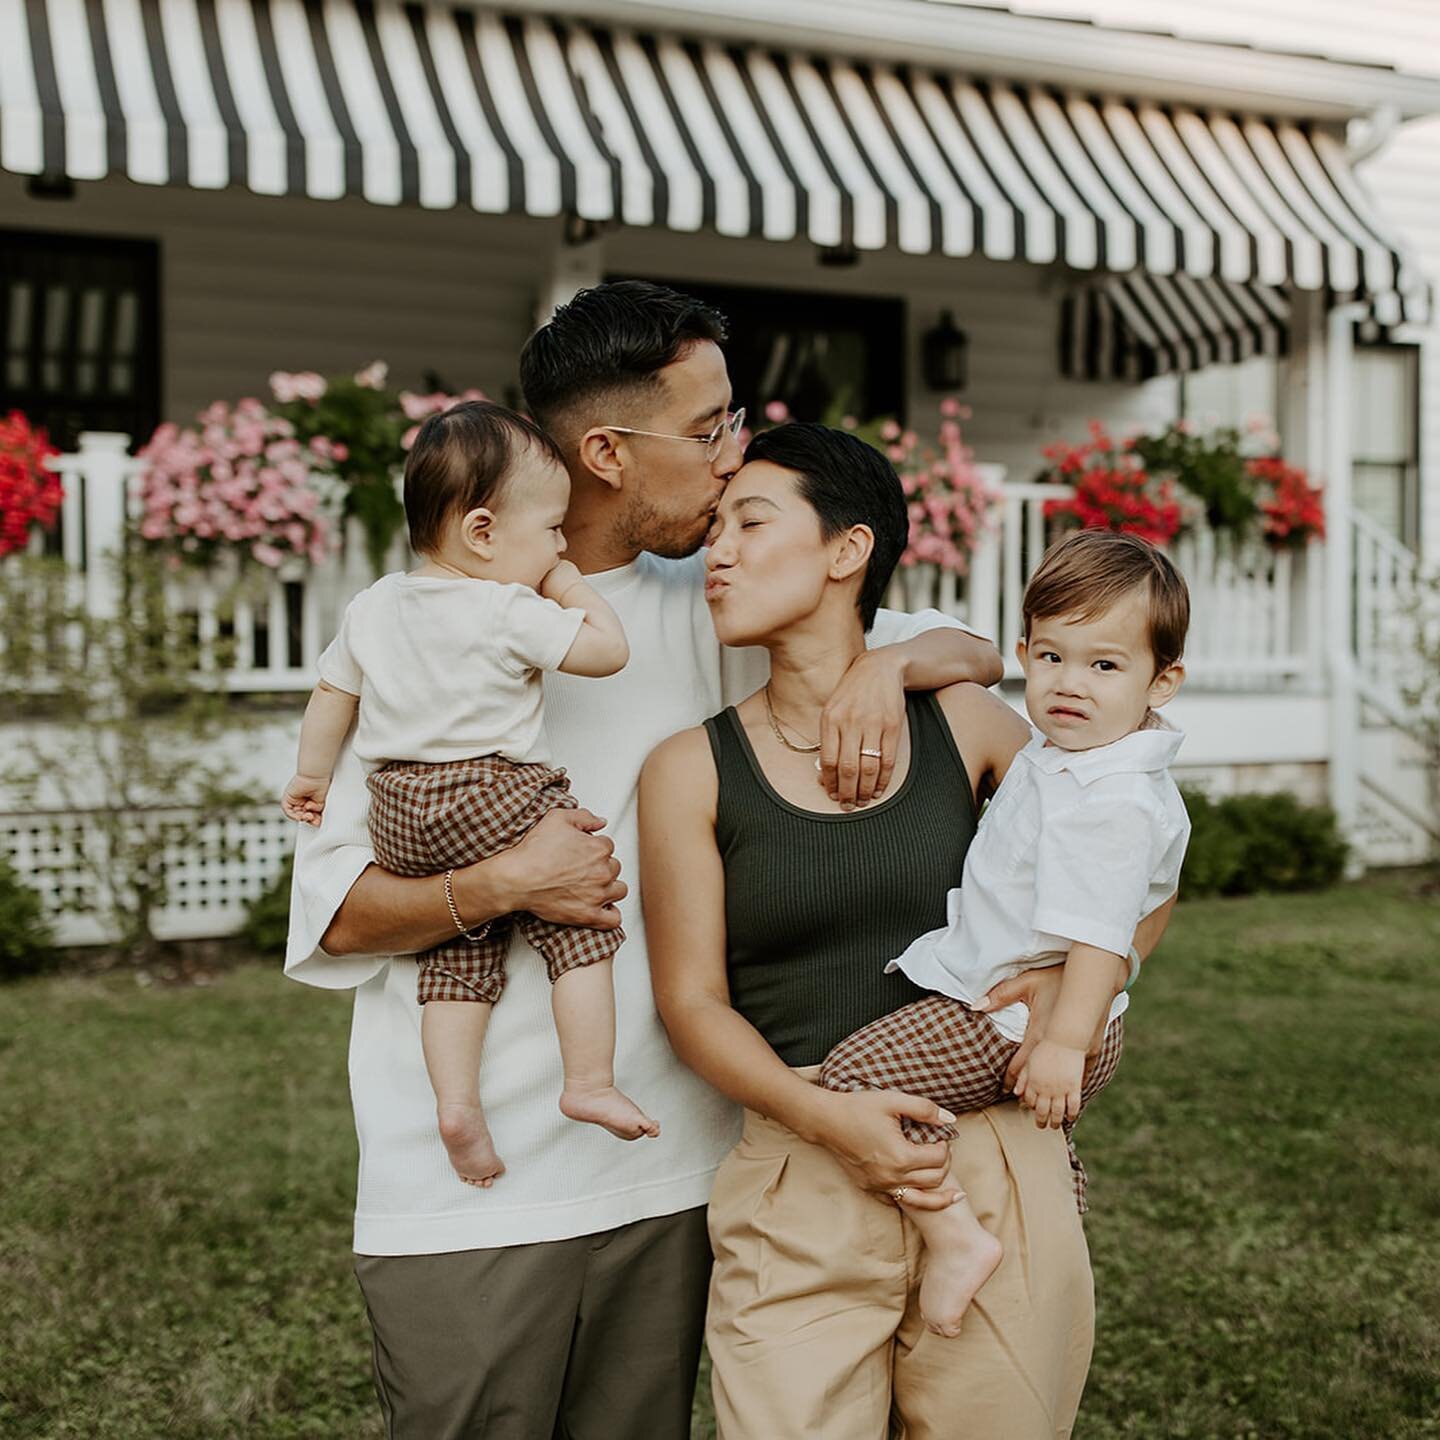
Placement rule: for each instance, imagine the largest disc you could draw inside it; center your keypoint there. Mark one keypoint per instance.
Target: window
(80, 325)
(1232, 395)
(822, 354)
(1385, 431)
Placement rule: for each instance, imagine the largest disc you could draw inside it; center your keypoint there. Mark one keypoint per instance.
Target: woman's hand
(1039, 990)
(861, 1128)
(860, 727)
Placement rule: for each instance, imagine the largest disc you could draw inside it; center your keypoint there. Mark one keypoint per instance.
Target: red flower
(30, 494)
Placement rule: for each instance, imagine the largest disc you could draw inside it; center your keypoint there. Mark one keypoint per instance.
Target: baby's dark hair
(462, 459)
(1086, 573)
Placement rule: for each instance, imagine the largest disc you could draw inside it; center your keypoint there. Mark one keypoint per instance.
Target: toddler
(444, 665)
(1082, 840)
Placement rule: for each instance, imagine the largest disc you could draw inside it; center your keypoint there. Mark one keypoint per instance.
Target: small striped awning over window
(1138, 326)
(441, 106)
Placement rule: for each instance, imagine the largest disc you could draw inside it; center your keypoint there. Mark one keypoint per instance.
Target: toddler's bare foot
(468, 1143)
(607, 1106)
(960, 1256)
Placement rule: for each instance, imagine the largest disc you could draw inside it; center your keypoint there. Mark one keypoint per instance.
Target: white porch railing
(1385, 596)
(1256, 613)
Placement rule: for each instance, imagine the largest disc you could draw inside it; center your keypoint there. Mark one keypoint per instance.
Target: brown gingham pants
(426, 818)
(942, 1051)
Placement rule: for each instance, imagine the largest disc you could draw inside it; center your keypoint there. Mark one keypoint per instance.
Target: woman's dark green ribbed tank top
(815, 904)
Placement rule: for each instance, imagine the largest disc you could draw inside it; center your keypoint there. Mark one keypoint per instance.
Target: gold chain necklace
(780, 734)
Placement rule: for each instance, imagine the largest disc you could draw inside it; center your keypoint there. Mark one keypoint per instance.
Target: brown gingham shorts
(942, 1051)
(425, 818)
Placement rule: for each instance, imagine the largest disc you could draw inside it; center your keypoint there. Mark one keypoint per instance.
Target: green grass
(176, 1167)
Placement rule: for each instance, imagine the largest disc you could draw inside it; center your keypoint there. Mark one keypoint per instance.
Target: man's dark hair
(617, 336)
(846, 482)
(460, 460)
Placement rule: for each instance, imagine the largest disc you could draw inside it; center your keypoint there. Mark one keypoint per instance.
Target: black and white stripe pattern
(1138, 326)
(426, 104)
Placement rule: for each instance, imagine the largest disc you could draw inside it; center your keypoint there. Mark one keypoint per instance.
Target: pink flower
(849, 422)
(373, 376)
(407, 440)
(266, 554)
(310, 386)
(416, 407)
(890, 430)
(777, 412)
(950, 407)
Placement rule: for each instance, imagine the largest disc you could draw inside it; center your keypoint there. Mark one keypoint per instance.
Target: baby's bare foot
(607, 1106)
(955, 1269)
(468, 1143)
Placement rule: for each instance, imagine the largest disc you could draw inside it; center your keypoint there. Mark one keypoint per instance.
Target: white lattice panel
(211, 880)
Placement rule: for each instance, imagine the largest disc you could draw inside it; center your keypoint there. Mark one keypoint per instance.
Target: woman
(771, 912)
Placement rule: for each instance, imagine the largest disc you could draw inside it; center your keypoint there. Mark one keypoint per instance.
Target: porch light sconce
(51, 185)
(945, 356)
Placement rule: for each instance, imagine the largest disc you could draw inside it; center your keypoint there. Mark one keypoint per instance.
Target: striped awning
(1138, 326)
(440, 106)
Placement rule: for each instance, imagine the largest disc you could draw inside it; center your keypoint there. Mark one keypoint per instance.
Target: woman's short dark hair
(846, 482)
(461, 459)
(612, 337)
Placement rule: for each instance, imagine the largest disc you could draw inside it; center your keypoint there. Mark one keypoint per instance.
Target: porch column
(1344, 691)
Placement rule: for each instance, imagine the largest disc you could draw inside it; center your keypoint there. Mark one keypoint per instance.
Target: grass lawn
(176, 1166)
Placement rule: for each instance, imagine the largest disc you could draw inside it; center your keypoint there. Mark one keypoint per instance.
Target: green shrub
(26, 942)
(1248, 844)
(267, 922)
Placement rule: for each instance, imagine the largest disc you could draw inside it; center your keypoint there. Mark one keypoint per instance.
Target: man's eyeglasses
(731, 425)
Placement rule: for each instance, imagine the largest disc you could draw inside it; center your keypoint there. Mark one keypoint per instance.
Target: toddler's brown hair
(1084, 574)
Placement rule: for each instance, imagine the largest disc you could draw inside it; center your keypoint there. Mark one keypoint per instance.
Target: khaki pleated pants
(814, 1327)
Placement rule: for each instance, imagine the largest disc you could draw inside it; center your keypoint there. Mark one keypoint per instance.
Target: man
(568, 1300)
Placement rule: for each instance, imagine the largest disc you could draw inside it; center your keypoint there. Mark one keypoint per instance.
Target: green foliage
(267, 921)
(131, 723)
(370, 424)
(1252, 844)
(26, 943)
(1212, 468)
(1265, 1227)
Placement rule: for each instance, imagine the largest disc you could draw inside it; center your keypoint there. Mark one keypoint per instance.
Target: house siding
(251, 284)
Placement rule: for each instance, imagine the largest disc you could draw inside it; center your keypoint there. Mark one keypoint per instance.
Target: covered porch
(317, 185)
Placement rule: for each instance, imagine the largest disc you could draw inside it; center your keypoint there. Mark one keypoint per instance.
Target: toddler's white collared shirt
(1076, 846)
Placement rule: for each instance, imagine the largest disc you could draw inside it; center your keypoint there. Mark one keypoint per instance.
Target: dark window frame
(1411, 504)
(881, 322)
(50, 256)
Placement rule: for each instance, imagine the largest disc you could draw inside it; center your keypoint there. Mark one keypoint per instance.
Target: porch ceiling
(442, 107)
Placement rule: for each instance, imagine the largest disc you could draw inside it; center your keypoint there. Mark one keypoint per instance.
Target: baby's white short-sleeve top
(1076, 845)
(448, 669)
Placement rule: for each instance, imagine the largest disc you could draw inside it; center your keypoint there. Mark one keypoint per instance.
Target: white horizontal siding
(252, 284)
(1010, 313)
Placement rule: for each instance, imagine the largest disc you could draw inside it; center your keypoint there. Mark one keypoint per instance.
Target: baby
(444, 665)
(1083, 839)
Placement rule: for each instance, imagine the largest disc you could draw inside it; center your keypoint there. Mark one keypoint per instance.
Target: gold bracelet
(455, 914)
